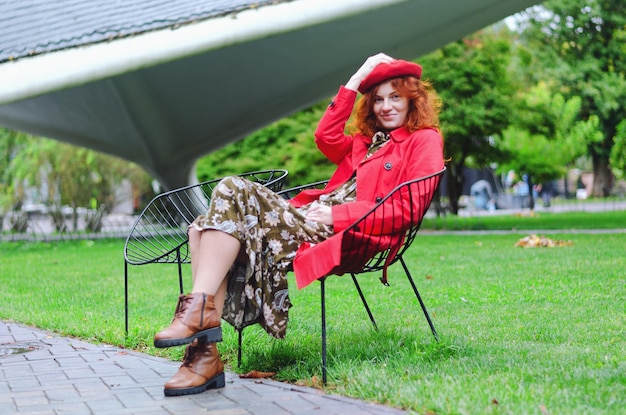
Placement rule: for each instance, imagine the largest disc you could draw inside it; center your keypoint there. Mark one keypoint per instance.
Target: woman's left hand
(366, 68)
(320, 213)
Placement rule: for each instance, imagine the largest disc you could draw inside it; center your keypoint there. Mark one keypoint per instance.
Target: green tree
(285, 144)
(543, 153)
(73, 176)
(618, 152)
(9, 142)
(472, 78)
(582, 44)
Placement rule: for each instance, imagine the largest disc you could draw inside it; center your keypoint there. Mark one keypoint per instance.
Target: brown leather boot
(195, 318)
(202, 369)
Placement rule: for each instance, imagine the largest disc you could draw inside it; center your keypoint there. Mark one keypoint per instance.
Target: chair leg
(180, 270)
(240, 340)
(367, 308)
(126, 296)
(419, 298)
(323, 295)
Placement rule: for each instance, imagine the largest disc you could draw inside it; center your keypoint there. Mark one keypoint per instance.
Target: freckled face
(390, 107)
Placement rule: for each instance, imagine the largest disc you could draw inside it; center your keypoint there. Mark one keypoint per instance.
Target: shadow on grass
(380, 346)
(298, 359)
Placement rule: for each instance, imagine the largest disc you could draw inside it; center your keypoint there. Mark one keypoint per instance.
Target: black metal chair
(159, 234)
(367, 255)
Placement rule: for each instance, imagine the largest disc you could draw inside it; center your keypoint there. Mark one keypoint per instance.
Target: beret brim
(385, 71)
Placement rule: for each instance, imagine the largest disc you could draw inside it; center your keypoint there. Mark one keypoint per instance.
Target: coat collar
(398, 135)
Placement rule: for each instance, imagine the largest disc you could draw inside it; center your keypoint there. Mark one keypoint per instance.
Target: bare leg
(198, 315)
(194, 247)
(202, 366)
(220, 297)
(215, 255)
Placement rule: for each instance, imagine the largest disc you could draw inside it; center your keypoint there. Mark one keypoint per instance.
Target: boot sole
(218, 381)
(213, 335)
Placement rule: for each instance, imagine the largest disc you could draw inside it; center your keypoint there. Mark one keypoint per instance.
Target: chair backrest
(381, 236)
(159, 235)
(293, 191)
(404, 209)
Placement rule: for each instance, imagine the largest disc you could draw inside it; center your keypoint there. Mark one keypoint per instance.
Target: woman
(242, 249)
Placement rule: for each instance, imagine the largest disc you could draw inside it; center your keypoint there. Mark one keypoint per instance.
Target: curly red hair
(424, 106)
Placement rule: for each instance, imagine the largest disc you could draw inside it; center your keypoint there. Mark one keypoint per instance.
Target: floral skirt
(270, 230)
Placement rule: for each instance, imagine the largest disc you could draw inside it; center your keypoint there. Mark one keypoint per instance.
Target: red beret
(385, 71)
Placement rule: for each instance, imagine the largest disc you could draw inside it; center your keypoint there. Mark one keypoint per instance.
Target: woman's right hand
(365, 69)
(320, 213)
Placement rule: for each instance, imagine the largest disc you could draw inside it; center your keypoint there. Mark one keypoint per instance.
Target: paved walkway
(45, 374)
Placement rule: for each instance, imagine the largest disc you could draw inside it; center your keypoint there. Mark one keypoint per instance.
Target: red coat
(407, 156)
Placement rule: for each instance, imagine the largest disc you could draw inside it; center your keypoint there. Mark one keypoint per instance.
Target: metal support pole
(367, 308)
(239, 351)
(323, 295)
(419, 298)
(126, 296)
(180, 270)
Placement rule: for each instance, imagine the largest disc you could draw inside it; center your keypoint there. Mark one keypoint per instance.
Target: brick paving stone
(62, 394)
(7, 408)
(90, 387)
(135, 398)
(104, 406)
(55, 375)
(24, 384)
(29, 399)
(51, 378)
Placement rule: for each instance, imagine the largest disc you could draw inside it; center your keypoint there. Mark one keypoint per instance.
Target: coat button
(378, 199)
(388, 165)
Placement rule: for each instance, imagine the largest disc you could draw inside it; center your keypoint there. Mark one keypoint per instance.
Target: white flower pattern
(270, 230)
(221, 204)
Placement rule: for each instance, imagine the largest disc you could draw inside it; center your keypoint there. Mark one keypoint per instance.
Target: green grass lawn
(522, 331)
(528, 221)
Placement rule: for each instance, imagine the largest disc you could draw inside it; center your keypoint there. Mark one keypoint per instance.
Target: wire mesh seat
(159, 235)
(371, 244)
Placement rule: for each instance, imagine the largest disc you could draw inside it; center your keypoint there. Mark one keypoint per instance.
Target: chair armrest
(292, 191)
(160, 232)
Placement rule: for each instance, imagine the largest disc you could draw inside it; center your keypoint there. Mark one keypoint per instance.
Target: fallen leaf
(255, 374)
(316, 382)
(535, 241)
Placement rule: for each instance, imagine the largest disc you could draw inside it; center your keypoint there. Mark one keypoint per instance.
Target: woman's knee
(194, 238)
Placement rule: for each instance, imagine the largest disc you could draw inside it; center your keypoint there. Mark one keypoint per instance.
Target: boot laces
(190, 353)
(183, 304)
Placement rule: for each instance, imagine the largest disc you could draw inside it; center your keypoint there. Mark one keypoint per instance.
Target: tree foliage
(618, 152)
(545, 153)
(471, 76)
(9, 142)
(584, 40)
(285, 144)
(67, 175)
